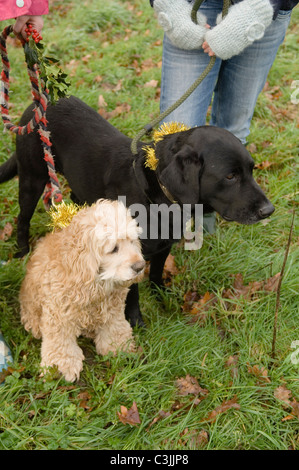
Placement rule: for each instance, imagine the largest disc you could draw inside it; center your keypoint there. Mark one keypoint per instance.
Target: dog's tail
(9, 169)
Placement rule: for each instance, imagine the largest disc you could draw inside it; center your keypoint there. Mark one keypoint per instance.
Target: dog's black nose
(266, 210)
(138, 266)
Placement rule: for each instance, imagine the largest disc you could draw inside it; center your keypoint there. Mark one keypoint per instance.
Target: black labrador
(204, 165)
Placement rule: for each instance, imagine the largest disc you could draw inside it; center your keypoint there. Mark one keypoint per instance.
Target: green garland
(54, 78)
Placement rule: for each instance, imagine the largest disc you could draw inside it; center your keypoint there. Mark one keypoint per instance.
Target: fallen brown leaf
(86, 58)
(161, 415)
(194, 439)
(189, 385)
(130, 416)
(101, 102)
(232, 364)
(118, 111)
(151, 84)
(247, 291)
(225, 406)
(6, 372)
(84, 397)
(283, 394)
(260, 373)
(148, 64)
(6, 233)
(170, 268)
(264, 165)
(203, 303)
(189, 298)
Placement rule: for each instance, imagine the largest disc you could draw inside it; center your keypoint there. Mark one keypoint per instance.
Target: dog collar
(162, 186)
(166, 192)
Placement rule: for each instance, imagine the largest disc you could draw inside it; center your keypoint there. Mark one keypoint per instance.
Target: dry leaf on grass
(130, 416)
(189, 386)
(8, 371)
(151, 84)
(161, 415)
(240, 290)
(120, 109)
(225, 406)
(101, 102)
(232, 363)
(198, 306)
(84, 397)
(264, 165)
(283, 394)
(170, 267)
(194, 439)
(189, 298)
(260, 373)
(6, 233)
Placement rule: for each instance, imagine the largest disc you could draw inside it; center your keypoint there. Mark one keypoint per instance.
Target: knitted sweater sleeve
(245, 23)
(276, 4)
(175, 18)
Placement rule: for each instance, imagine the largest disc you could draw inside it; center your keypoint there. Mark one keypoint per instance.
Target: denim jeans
(234, 84)
(5, 354)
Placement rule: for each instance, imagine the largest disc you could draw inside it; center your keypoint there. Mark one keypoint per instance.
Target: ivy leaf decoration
(54, 78)
(30, 55)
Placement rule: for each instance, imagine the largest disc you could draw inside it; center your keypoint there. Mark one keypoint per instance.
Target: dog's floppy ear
(182, 175)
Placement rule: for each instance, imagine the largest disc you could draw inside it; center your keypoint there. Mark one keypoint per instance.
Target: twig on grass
(279, 285)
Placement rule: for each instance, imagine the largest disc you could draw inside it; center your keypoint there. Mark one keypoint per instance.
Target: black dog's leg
(30, 191)
(132, 311)
(156, 267)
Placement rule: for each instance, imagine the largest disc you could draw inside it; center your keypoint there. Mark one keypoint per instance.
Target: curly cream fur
(76, 284)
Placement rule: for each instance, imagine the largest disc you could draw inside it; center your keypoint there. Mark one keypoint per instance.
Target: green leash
(195, 9)
(197, 4)
(149, 127)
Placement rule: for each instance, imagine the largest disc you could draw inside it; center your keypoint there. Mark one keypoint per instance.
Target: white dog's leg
(60, 348)
(115, 334)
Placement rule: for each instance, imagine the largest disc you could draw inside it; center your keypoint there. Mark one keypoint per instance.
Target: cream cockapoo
(76, 284)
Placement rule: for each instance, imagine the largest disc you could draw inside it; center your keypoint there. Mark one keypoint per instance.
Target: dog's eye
(231, 176)
(115, 249)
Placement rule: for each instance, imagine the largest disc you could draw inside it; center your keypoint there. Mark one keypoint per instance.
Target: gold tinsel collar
(62, 214)
(151, 160)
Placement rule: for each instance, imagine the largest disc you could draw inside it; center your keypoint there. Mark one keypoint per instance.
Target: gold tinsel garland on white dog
(151, 160)
(62, 214)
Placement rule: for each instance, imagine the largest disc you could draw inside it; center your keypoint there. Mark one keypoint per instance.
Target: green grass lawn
(203, 377)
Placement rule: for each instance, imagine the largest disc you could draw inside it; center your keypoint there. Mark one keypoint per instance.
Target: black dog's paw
(137, 321)
(134, 318)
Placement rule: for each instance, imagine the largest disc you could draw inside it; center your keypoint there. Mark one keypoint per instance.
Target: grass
(113, 49)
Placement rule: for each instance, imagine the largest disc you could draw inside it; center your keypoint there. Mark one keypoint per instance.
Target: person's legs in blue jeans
(180, 69)
(242, 78)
